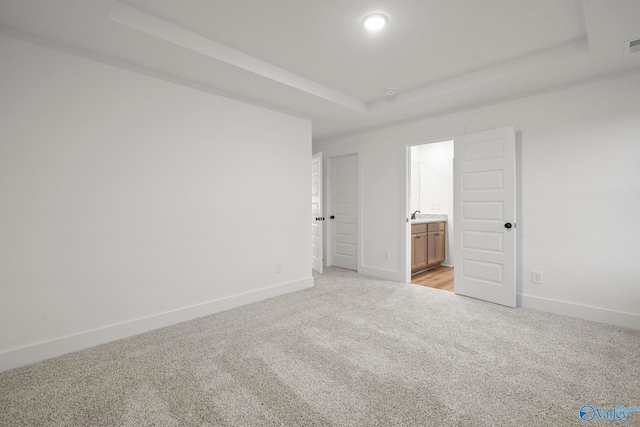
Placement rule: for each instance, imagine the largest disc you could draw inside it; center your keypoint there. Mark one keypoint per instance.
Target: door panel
(418, 252)
(344, 209)
(484, 197)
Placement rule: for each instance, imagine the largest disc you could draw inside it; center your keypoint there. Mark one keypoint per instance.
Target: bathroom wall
(435, 162)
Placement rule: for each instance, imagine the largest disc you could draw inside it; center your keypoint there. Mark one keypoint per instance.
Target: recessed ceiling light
(375, 21)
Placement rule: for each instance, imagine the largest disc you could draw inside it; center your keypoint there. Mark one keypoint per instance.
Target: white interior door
(484, 216)
(344, 211)
(317, 219)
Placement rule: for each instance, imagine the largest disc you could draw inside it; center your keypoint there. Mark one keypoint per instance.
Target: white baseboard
(596, 314)
(45, 350)
(395, 276)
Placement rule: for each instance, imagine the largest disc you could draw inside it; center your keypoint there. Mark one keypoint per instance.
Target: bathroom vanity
(428, 240)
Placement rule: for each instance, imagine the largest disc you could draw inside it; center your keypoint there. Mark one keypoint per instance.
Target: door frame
(327, 156)
(320, 213)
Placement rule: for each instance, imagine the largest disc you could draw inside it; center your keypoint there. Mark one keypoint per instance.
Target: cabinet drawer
(436, 226)
(418, 228)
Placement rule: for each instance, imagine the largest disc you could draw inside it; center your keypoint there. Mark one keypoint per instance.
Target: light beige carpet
(352, 351)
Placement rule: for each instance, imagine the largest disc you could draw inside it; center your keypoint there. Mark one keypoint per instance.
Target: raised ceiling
(314, 58)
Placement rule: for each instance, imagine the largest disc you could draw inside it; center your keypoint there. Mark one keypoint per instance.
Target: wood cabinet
(419, 252)
(428, 245)
(435, 243)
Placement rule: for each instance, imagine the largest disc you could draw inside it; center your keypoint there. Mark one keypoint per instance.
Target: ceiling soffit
(169, 32)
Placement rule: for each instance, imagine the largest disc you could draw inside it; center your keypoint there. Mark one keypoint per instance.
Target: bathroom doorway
(431, 202)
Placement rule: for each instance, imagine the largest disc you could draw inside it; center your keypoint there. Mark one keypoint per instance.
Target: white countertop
(429, 218)
(426, 220)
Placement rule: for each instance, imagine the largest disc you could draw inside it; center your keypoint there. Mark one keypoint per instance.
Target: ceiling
(315, 59)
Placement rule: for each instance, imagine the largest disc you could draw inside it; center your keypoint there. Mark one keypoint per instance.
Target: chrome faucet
(413, 215)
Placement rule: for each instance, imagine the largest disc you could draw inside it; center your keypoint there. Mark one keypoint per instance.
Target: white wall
(129, 203)
(580, 181)
(416, 181)
(437, 177)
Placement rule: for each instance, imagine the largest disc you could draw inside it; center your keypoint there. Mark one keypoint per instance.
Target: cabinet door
(418, 251)
(436, 244)
(431, 248)
(414, 252)
(439, 247)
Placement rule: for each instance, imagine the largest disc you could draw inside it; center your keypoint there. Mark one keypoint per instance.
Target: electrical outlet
(536, 277)
(278, 267)
(385, 256)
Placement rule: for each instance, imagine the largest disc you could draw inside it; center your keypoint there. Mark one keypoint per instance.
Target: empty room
(319, 213)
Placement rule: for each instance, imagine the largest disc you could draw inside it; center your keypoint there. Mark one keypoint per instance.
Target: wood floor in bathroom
(438, 278)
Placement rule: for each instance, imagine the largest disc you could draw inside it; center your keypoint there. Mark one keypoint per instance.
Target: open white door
(316, 212)
(484, 216)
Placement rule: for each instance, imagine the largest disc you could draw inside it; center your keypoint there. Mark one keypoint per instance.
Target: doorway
(484, 244)
(431, 202)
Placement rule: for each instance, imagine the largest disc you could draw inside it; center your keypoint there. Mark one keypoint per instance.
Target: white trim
(44, 350)
(405, 246)
(380, 273)
(318, 156)
(581, 311)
